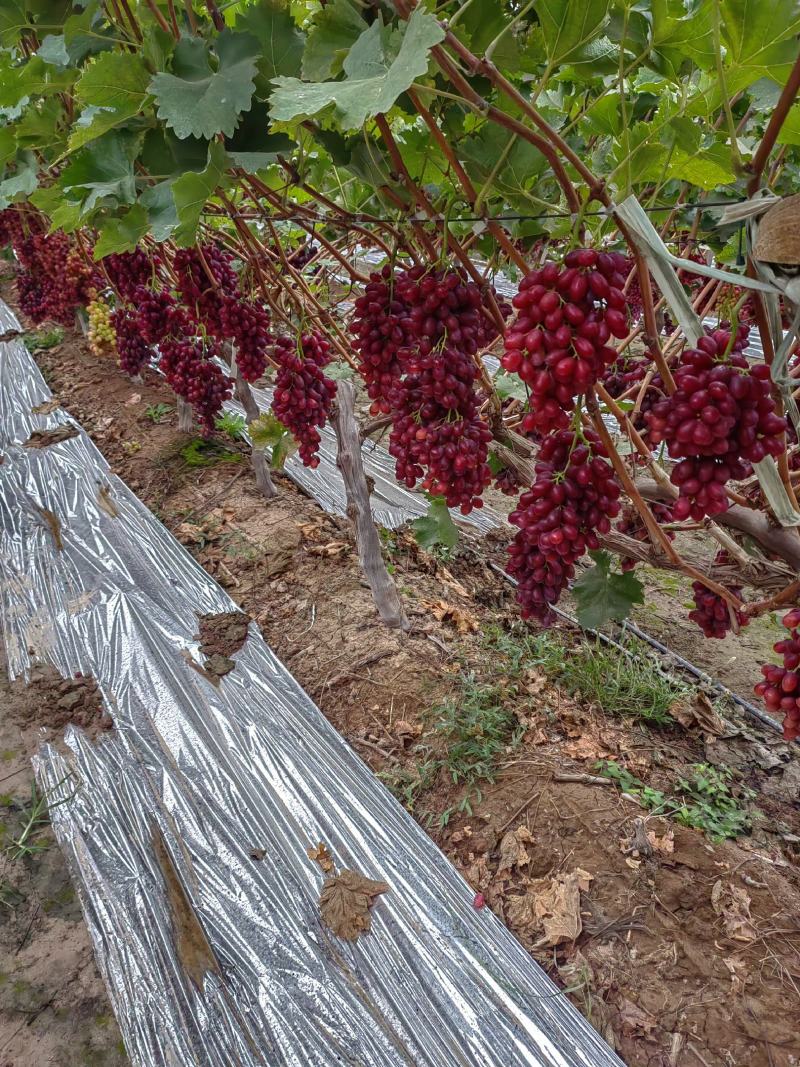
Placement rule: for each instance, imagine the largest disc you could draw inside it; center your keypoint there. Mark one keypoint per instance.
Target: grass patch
(36, 340)
(204, 453)
(157, 413)
(630, 683)
(704, 800)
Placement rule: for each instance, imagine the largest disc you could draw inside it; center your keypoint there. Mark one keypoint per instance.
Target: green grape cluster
(102, 336)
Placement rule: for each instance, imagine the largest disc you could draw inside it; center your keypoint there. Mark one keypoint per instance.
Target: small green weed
(37, 820)
(202, 453)
(157, 413)
(704, 801)
(407, 783)
(36, 340)
(232, 425)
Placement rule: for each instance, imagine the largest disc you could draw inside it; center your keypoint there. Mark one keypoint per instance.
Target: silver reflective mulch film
(219, 790)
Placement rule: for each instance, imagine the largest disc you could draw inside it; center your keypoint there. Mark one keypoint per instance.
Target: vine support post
(244, 394)
(185, 416)
(348, 460)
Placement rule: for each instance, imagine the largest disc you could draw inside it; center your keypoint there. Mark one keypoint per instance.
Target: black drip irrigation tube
(684, 664)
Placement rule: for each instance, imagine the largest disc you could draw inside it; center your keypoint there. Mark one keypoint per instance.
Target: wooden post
(259, 461)
(185, 416)
(348, 460)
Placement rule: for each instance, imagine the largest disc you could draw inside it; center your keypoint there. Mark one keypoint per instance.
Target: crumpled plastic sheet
(222, 770)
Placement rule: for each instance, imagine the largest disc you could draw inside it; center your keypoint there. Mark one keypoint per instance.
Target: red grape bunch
(711, 613)
(303, 395)
(720, 418)
(129, 272)
(132, 349)
(559, 342)
(572, 500)
(780, 689)
(191, 374)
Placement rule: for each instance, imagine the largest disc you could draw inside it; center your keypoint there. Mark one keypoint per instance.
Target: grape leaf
(336, 27)
(102, 172)
(199, 102)
(162, 213)
(682, 32)
(8, 145)
(761, 38)
(437, 527)
(122, 234)
(22, 183)
(706, 168)
(268, 432)
(280, 41)
(192, 190)
(374, 81)
(114, 86)
(602, 594)
(252, 146)
(567, 27)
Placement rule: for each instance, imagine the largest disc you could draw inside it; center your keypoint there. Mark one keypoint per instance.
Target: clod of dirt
(45, 438)
(219, 665)
(257, 854)
(345, 901)
(222, 635)
(54, 703)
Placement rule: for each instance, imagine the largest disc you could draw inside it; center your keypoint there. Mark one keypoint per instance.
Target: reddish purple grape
(780, 689)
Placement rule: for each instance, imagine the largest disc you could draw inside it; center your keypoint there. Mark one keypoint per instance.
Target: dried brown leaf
(552, 906)
(47, 408)
(53, 525)
(105, 501)
(449, 613)
(345, 901)
(698, 714)
(45, 438)
(634, 1021)
(512, 849)
(320, 854)
(732, 903)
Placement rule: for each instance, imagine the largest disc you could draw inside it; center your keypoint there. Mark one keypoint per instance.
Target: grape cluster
(417, 334)
(102, 335)
(780, 689)
(720, 418)
(303, 395)
(133, 351)
(48, 285)
(711, 612)
(129, 272)
(558, 344)
(187, 365)
(632, 525)
(159, 315)
(507, 481)
(209, 286)
(572, 500)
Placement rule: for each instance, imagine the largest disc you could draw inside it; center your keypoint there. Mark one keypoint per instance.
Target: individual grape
(559, 342)
(711, 612)
(303, 395)
(573, 499)
(720, 419)
(133, 351)
(780, 689)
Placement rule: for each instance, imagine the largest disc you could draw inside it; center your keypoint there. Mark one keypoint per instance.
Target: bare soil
(681, 952)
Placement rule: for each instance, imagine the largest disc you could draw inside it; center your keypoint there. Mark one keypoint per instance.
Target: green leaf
(602, 594)
(252, 147)
(683, 32)
(707, 168)
(567, 27)
(280, 41)
(199, 102)
(509, 385)
(335, 29)
(13, 19)
(373, 81)
(161, 210)
(8, 145)
(267, 431)
(102, 172)
(484, 22)
(22, 183)
(114, 86)
(122, 234)
(39, 126)
(437, 527)
(191, 191)
(761, 37)
(790, 131)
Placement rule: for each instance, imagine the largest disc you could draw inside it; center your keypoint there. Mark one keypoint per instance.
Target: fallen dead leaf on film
(345, 901)
(319, 854)
(551, 905)
(47, 408)
(105, 501)
(45, 438)
(732, 903)
(512, 849)
(444, 612)
(698, 713)
(53, 525)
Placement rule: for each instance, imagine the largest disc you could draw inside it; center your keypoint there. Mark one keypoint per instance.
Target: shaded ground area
(559, 777)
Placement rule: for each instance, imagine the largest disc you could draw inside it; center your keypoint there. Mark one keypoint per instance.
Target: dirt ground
(680, 951)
